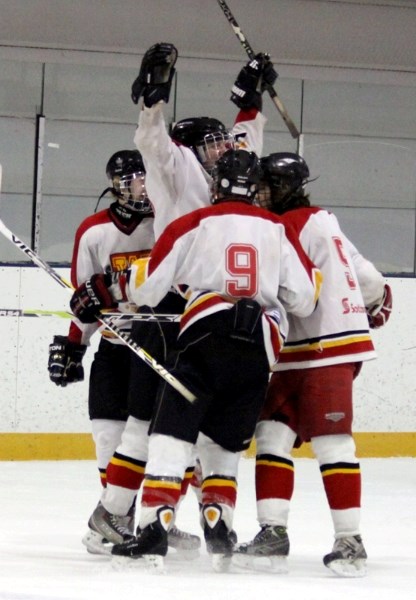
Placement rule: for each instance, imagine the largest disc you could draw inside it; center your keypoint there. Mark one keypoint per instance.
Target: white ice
(44, 507)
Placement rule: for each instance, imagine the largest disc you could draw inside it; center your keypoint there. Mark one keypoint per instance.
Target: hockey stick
(124, 337)
(20, 312)
(107, 316)
(250, 52)
(146, 317)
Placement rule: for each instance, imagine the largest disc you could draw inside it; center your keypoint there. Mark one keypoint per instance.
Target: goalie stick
(141, 353)
(250, 52)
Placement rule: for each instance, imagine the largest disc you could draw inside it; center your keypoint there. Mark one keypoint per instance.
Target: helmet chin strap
(109, 189)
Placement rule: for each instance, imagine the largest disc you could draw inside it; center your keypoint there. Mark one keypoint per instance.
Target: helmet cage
(212, 147)
(264, 196)
(131, 192)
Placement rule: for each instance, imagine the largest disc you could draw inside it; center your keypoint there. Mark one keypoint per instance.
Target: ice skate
(105, 529)
(268, 551)
(151, 545)
(348, 557)
(184, 543)
(218, 537)
(95, 543)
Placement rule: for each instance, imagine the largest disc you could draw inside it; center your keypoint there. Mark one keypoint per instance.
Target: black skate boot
(151, 543)
(348, 557)
(184, 543)
(218, 538)
(105, 529)
(268, 551)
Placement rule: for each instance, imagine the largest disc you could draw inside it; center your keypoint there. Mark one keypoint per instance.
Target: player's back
(240, 250)
(337, 330)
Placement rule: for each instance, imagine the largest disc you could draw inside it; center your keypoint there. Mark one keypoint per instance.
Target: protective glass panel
(384, 236)
(73, 178)
(359, 109)
(16, 157)
(88, 92)
(20, 88)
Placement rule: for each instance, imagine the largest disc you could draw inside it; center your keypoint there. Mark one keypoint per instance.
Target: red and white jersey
(337, 331)
(226, 252)
(104, 243)
(176, 181)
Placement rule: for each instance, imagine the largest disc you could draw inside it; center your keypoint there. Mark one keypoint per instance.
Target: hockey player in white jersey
(121, 386)
(245, 269)
(310, 394)
(178, 166)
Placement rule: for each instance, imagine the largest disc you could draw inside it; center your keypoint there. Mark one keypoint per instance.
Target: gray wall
(347, 76)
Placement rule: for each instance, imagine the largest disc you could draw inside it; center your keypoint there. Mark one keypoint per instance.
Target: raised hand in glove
(91, 297)
(379, 315)
(156, 74)
(251, 82)
(65, 361)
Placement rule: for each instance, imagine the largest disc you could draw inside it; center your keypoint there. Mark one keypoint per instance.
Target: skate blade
(94, 543)
(221, 562)
(264, 564)
(153, 563)
(346, 568)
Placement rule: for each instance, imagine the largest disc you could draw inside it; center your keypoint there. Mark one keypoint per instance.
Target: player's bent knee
(106, 433)
(334, 448)
(135, 439)
(275, 438)
(168, 455)
(215, 459)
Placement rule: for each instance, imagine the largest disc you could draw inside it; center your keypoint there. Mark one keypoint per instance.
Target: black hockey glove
(91, 297)
(156, 74)
(65, 361)
(251, 82)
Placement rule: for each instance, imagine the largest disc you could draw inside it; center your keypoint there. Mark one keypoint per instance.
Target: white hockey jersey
(226, 252)
(337, 331)
(104, 244)
(176, 182)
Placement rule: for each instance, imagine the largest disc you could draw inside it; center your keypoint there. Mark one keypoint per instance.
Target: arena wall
(40, 421)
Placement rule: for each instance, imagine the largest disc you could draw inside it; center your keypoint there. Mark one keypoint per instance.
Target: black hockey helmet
(236, 176)
(207, 137)
(284, 174)
(127, 173)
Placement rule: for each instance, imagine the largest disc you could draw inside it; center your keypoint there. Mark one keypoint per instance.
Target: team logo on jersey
(334, 416)
(121, 261)
(350, 307)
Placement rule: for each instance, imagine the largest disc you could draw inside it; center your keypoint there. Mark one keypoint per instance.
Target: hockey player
(178, 166)
(310, 394)
(177, 180)
(121, 385)
(231, 332)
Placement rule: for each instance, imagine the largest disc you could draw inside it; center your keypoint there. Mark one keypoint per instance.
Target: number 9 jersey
(226, 252)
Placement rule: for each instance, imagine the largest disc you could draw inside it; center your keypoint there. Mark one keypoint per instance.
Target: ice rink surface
(45, 505)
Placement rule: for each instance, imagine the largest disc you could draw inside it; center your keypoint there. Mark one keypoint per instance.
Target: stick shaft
(250, 53)
(149, 360)
(106, 316)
